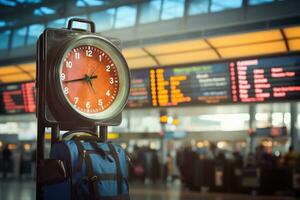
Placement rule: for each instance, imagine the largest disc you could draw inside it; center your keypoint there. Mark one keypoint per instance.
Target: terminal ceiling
(258, 43)
(282, 37)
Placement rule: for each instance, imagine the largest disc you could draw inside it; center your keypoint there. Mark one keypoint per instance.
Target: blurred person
(280, 161)
(261, 156)
(290, 158)
(25, 163)
(250, 160)
(6, 156)
(33, 163)
(169, 168)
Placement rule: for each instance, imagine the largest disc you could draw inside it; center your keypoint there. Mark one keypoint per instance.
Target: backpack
(91, 169)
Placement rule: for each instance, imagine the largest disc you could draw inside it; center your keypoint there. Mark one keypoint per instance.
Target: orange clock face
(89, 79)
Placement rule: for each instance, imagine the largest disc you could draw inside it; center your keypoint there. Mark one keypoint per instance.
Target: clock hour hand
(89, 80)
(91, 85)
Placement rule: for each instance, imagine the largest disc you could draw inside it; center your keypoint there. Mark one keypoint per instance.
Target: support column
(294, 131)
(252, 112)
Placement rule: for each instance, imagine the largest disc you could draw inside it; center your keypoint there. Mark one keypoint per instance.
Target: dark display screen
(140, 89)
(267, 79)
(198, 84)
(17, 98)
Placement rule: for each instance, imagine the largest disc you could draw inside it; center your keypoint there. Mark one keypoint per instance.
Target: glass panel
(34, 32)
(4, 37)
(2, 23)
(198, 7)
(84, 3)
(58, 23)
(44, 11)
(214, 122)
(142, 120)
(257, 2)
(172, 9)
(150, 11)
(220, 5)
(19, 37)
(104, 20)
(126, 16)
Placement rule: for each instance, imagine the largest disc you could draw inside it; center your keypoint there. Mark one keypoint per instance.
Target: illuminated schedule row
(260, 80)
(18, 98)
(189, 85)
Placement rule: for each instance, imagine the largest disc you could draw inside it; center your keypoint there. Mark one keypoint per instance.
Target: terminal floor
(25, 190)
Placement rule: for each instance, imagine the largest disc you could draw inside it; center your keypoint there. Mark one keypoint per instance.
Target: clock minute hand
(75, 80)
(81, 79)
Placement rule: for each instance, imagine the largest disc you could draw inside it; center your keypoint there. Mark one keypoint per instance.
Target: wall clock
(92, 78)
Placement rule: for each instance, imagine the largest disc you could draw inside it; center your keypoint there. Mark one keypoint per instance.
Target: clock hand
(74, 80)
(81, 79)
(89, 81)
(94, 71)
(91, 85)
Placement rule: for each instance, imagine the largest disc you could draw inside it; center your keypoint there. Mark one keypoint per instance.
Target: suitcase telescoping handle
(92, 24)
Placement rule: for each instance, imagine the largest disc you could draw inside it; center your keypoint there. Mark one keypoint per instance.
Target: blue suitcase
(87, 169)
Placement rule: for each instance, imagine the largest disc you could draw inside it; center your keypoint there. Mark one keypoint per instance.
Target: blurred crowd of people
(17, 162)
(148, 166)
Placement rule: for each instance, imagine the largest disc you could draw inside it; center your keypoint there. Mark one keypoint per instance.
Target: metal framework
(248, 18)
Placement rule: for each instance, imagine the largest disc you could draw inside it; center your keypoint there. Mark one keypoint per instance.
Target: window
(220, 5)
(172, 9)
(4, 37)
(58, 23)
(19, 37)
(104, 20)
(43, 11)
(257, 2)
(126, 16)
(34, 32)
(150, 11)
(2, 23)
(198, 7)
(85, 3)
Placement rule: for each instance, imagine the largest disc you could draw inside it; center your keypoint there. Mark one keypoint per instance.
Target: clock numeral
(107, 68)
(76, 100)
(69, 64)
(77, 55)
(66, 90)
(100, 58)
(88, 53)
(62, 76)
(88, 105)
(111, 80)
(108, 93)
(100, 103)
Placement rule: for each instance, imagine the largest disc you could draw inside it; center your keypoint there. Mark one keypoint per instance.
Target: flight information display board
(198, 84)
(140, 89)
(269, 79)
(17, 98)
(266, 79)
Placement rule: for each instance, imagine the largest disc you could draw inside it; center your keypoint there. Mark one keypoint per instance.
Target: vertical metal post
(103, 133)
(252, 125)
(55, 133)
(39, 158)
(294, 130)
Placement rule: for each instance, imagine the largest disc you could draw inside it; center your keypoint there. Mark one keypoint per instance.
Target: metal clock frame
(123, 72)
